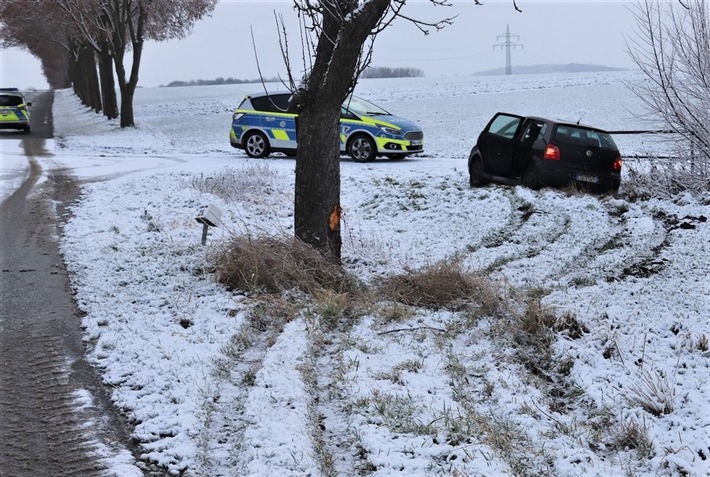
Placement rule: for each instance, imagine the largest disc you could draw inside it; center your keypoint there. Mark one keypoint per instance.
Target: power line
(508, 44)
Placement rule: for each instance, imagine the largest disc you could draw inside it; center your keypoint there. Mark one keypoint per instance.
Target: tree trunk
(317, 193)
(85, 78)
(128, 88)
(317, 200)
(108, 84)
(92, 78)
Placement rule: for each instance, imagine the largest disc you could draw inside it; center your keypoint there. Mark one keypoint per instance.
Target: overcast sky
(221, 45)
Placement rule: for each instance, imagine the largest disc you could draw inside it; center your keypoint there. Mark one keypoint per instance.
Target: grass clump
(272, 264)
(655, 393)
(632, 434)
(233, 184)
(444, 285)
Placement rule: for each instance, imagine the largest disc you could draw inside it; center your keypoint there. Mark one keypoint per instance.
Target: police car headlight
(237, 116)
(392, 131)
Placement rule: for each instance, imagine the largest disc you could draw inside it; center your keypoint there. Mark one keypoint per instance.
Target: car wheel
(475, 173)
(256, 145)
(362, 149)
(531, 177)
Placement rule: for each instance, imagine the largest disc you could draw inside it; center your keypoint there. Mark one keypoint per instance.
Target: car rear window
(583, 137)
(10, 100)
(277, 103)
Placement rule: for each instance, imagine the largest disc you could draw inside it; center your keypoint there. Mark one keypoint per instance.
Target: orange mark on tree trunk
(334, 221)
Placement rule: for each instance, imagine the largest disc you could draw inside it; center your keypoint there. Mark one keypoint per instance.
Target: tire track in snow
(565, 241)
(397, 216)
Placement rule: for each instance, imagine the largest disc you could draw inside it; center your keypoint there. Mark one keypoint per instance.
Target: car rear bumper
(552, 175)
(14, 124)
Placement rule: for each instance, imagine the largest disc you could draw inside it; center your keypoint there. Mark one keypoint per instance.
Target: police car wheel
(362, 149)
(256, 145)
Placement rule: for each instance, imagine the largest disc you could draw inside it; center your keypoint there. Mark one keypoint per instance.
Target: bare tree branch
(671, 47)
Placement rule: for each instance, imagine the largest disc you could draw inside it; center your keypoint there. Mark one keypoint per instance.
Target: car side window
(345, 114)
(504, 126)
(277, 103)
(280, 103)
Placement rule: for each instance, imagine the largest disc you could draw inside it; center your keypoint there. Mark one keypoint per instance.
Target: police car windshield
(363, 108)
(10, 100)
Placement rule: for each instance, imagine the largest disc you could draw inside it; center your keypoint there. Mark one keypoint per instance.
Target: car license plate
(5, 111)
(416, 142)
(586, 178)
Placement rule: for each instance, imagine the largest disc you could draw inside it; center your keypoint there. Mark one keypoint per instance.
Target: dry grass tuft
(571, 326)
(655, 393)
(233, 184)
(276, 264)
(534, 333)
(632, 435)
(536, 326)
(444, 285)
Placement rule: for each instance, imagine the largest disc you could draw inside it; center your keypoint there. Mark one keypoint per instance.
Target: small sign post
(210, 216)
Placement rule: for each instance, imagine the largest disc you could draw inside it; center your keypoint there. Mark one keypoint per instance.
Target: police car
(14, 110)
(261, 125)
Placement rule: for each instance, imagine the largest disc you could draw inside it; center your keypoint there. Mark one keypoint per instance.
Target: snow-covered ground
(414, 391)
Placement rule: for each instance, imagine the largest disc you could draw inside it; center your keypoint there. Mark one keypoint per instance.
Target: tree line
(369, 72)
(84, 44)
(220, 81)
(387, 72)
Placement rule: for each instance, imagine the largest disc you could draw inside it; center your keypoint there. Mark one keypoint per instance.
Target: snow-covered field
(425, 393)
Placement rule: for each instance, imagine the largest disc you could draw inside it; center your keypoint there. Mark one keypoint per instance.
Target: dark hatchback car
(539, 152)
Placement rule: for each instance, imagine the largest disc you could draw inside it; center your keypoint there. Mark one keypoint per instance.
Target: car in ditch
(14, 110)
(538, 152)
(262, 124)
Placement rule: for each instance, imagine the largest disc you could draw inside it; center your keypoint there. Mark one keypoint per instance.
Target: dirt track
(43, 430)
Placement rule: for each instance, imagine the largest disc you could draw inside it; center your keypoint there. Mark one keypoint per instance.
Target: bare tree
(36, 27)
(127, 24)
(88, 23)
(672, 49)
(337, 57)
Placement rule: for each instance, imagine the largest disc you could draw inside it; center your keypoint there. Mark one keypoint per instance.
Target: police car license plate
(587, 178)
(5, 111)
(416, 142)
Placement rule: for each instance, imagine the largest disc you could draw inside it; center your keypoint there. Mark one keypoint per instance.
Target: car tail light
(616, 167)
(552, 153)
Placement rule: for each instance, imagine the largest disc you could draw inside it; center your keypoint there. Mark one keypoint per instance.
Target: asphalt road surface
(45, 430)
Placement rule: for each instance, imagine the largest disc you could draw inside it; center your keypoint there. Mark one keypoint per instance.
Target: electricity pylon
(508, 46)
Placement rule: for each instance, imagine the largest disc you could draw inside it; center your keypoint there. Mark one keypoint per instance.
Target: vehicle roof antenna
(580, 118)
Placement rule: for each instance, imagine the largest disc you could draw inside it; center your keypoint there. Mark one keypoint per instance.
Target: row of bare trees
(84, 43)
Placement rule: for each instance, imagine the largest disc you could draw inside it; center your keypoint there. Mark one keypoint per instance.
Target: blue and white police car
(262, 125)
